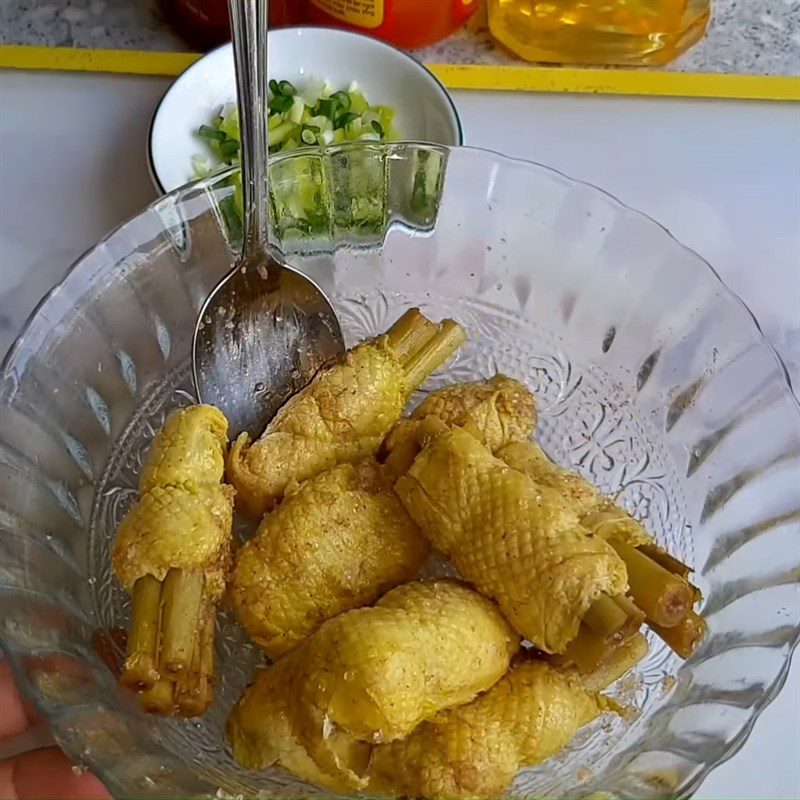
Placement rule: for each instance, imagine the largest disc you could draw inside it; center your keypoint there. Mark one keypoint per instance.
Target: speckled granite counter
(756, 37)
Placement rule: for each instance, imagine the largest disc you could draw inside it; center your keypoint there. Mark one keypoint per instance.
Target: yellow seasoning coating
(184, 515)
(337, 542)
(341, 416)
(475, 750)
(372, 675)
(518, 542)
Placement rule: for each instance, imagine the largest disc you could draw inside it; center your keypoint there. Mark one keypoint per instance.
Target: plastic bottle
(204, 23)
(406, 23)
(632, 32)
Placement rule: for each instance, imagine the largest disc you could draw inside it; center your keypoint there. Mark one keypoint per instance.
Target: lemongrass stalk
(409, 333)
(685, 637)
(586, 651)
(182, 599)
(671, 564)
(665, 598)
(635, 616)
(193, 689)
(434, 353)
(159, 699)
(621, 661)
(606, 618)
(141, 660)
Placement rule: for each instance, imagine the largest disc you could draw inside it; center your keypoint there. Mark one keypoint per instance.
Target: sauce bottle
(204, 23)
(405, 23)
(632, 32)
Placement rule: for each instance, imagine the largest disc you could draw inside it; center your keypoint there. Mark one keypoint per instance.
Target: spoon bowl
(263, 332)
(265, 329)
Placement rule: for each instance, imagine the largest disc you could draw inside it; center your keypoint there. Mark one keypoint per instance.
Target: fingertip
(14, 719)
(49, 773)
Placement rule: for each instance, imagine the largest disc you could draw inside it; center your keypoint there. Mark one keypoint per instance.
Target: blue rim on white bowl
(387, 75)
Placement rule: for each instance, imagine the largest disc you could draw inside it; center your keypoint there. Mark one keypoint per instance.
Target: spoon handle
(249, 28)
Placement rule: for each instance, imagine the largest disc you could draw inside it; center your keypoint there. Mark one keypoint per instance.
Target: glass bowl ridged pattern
(653, 380)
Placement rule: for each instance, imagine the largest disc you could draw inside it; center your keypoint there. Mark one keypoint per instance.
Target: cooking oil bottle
(632, 32)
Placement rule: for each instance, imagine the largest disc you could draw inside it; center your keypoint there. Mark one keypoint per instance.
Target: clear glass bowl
(652, 379)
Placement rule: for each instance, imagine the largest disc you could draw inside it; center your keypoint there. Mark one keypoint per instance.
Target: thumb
(47, 773)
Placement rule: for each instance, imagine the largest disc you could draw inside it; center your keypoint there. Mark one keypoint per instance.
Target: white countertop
(724, 177)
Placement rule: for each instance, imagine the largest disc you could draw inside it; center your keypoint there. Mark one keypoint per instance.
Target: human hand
(46, 772)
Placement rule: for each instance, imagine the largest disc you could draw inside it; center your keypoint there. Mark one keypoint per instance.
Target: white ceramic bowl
(388, 76)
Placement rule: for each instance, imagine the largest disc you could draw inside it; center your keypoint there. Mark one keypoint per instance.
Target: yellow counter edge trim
(618, 81)
(453, 76)
(132, 62)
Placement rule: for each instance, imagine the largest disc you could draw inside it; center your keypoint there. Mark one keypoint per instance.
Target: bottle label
(363, 13)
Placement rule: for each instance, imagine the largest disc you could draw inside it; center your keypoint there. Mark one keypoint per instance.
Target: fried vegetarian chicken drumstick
(475, 750)
(337, 542)
(495, 411)
(172, 553)
(517, 542)
(371, 675)
(500, 413)
(343, 414)
(658, 582)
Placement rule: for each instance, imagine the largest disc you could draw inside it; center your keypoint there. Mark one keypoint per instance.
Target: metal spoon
(265, 329)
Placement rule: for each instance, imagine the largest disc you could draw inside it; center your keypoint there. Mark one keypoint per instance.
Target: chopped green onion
(326, 108)
(229, 148)
(387, 114)
(358, 103)
(280, 134)
(369, 116)
(304, 116)
(343, 99)
(201, 165)
(232, 218)
(297, 111)
(295, 114)
(214, 134)
(354, 128)
(280, 103)
(230, 121)
(345, 119)
(312, 91)
(323, 123)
